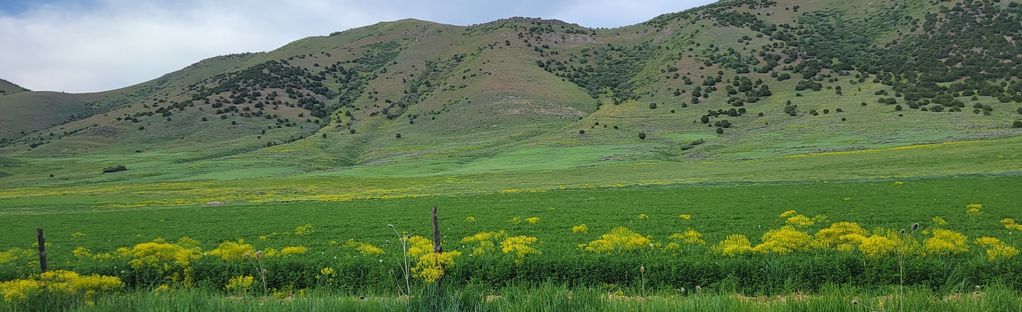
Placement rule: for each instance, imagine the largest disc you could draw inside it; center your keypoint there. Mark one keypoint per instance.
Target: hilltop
(7, 87)
(730, 81)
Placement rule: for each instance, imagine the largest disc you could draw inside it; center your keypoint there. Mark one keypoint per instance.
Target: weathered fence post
(436, 234)
(42, 249)
(437, 248)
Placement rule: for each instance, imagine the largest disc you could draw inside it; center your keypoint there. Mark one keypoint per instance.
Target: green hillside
(7, 87)
(25, 112)
(735, 81)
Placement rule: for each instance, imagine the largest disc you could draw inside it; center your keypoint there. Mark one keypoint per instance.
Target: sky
(98, 45)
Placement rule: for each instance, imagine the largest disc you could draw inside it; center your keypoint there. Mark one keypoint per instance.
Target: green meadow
(747, 155)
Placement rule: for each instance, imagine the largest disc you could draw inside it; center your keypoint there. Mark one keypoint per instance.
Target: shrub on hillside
(112, 169)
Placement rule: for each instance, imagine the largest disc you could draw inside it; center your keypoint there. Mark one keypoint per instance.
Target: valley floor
(753, 234)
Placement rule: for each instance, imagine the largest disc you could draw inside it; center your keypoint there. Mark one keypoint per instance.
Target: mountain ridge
(7, 87)
(731, 80)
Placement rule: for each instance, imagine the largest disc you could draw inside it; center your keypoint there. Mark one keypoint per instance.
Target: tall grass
(555, 297)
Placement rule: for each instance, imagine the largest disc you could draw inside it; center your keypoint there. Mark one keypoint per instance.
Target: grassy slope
(511, 122)
(25, 112)
(39, 113)
(159, 181)
(7, 87)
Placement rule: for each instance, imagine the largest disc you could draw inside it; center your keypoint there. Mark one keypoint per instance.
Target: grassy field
(84, 239)
(717, 210)
(573, 169)
(550, 297)
(273, 199)
(160, 181)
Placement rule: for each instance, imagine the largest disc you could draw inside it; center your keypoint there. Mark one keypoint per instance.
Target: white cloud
(116, 43)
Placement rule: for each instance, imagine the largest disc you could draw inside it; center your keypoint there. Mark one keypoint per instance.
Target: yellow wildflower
(268, 252)
(429, 265)
(366, 249)
(1008, 223)
(470, 219)
(689, 237)
(293, 250)
(937, 220)
(974, 209)
(60, 282)
(617, 240)
(240, 283)
(783, 240)
(519, 246)
(799, 220)
(23, 289)
(532, 220)
(173, 260)
(234, 251)
(304, 230)
(843, 236)
(734, 244)
(996, 249)
(581, 228)
(876, 246)
(14, 254)
(157, 253)
(685, 216)
(81, 252)
(515, 220)
(643, 216)
(418, 246)
(327, 272)
(485, 241)
(788, 214)
(945, 242)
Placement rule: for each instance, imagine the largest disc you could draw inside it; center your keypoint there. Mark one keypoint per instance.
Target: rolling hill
(7, 87)
(732, 81)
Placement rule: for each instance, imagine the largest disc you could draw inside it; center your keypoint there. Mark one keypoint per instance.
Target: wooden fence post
(436, 234)
(42, 249)
(438, 292)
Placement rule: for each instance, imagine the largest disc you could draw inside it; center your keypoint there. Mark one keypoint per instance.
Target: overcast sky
(96, 45)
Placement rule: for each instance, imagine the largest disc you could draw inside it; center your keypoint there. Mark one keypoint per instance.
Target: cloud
(99, 45)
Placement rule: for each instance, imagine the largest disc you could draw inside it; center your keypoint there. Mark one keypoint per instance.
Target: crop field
(943, 235)
(884, 227)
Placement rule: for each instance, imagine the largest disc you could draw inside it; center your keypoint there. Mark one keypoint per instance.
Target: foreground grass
(716, 211)
(550, 297)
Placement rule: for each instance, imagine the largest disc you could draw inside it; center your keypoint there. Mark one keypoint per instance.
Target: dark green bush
(112, 169)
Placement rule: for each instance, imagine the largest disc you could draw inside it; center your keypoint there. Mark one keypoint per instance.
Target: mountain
(734, 80)
(7, 87)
